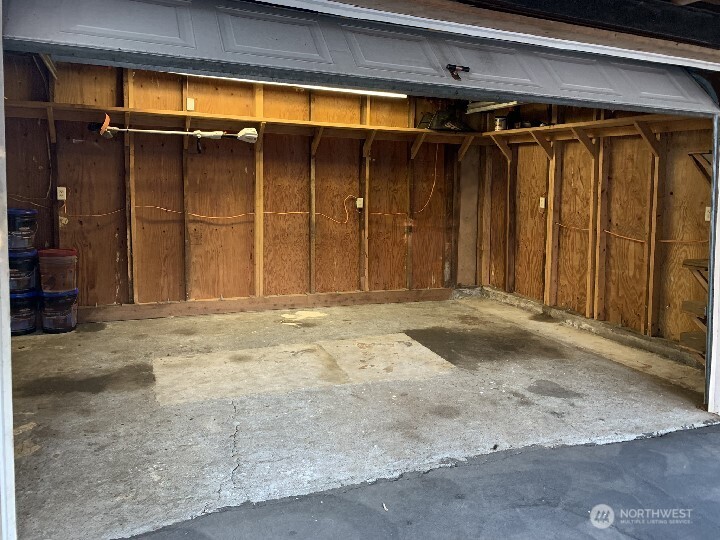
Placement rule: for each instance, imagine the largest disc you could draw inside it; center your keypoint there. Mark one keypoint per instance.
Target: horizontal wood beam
(140, 118)
(130, 312)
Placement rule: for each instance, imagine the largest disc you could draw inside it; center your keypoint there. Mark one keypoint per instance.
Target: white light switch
(359, 202)
(542, 202)
(707, 213)
(61, 193)
(190, 104)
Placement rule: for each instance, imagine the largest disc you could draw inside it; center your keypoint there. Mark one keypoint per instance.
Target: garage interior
(351, 298)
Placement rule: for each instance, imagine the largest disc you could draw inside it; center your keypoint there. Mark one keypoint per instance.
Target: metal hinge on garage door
(268, 43)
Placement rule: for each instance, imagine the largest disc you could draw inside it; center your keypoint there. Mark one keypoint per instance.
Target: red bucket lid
(71, 252)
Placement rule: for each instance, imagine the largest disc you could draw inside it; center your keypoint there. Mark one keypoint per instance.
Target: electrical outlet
(707, 213)
(61, 193)
(359, 202)
(542, 203)
(190, 104)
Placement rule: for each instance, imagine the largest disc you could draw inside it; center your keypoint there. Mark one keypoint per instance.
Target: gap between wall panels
(165, 219)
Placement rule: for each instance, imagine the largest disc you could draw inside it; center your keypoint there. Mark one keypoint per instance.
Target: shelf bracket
(649, 137)
(703, 163)
(316, 140)
(544, 143)
(417, 144)
(368, 143)
(583, 138)
(503, 146)
(465, 146)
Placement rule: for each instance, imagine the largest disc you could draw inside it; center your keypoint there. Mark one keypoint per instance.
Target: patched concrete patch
(285, 368)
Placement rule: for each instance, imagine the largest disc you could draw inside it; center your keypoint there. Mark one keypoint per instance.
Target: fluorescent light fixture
(485, 106)
(376, 93)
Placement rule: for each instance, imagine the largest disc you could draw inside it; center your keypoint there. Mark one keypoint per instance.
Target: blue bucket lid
(22, 253)
(62, 294)
(18, 212)
(23, 295)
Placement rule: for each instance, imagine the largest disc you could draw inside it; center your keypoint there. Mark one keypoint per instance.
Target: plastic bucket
(58, 270)
(23, 270)
(22, 226)
(59, 311)
(23, 313)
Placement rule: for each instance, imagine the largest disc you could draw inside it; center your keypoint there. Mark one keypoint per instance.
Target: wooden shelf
(141, 118)
(145, 118)
(618, 127)
(697, 264)
(695, 307)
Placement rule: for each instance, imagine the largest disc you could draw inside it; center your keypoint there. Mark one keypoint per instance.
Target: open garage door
(272, 44)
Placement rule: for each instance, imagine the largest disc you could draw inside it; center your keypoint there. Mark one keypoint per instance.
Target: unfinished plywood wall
(93, 219)
(530, 220)
(628, 200)
(574, 221)
(287, 211)
(497, 171)
(163, 219)
(639, 282)
(429, 219)
(388, 207)
(337, 236)
(683, 232)
(219, 197)
(159, 239)
(29, 173)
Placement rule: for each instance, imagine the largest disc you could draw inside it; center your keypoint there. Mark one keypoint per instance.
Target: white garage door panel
(250, 40)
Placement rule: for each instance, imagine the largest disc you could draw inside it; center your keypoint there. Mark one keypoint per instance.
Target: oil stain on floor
(130, 377)
(468, 348)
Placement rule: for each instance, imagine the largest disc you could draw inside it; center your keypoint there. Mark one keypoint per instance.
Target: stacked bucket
(56, 300)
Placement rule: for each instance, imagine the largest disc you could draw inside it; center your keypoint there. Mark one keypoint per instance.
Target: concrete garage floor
(125, 427)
